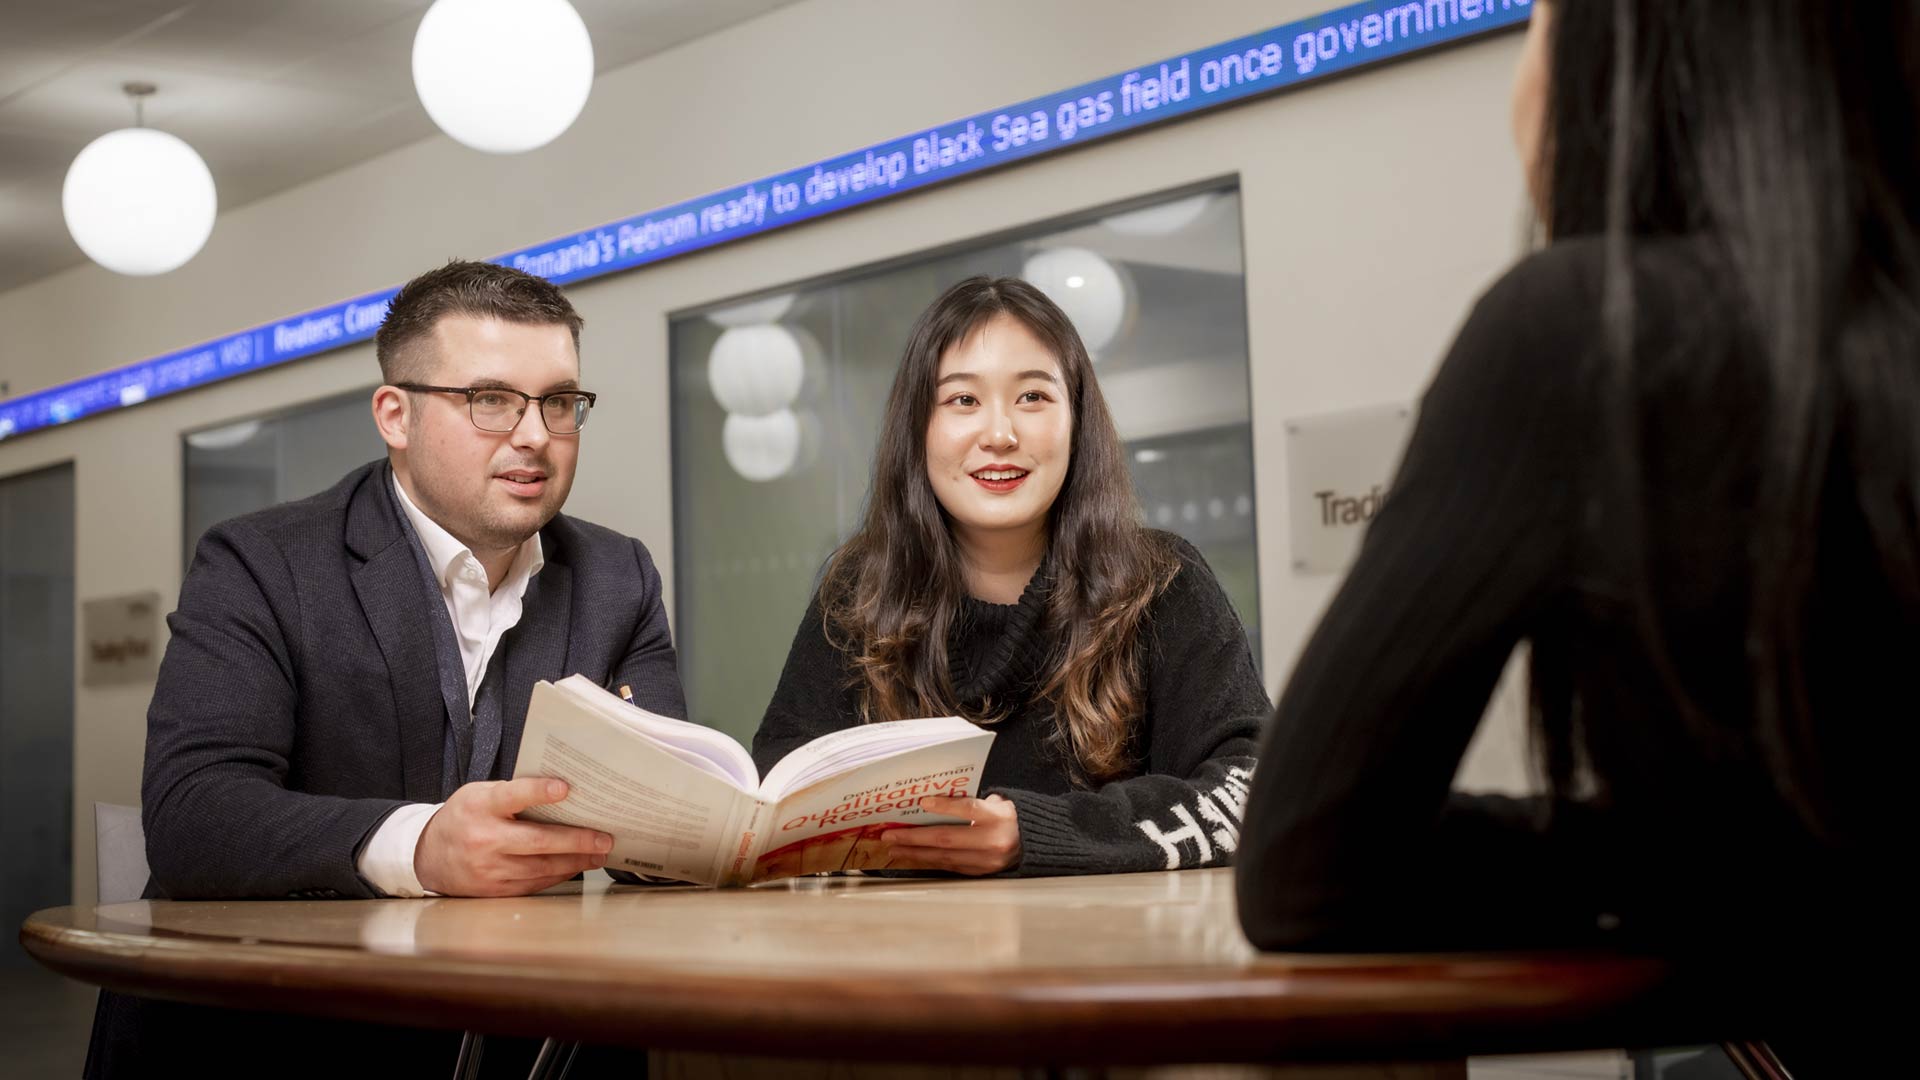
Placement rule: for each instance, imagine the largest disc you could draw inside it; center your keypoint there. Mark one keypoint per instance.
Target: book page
(702, 747)
(668, 818)
(836, 823)
(849, 747)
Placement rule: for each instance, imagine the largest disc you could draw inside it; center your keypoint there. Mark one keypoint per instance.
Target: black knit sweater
(1506, 524)
(1194, 747)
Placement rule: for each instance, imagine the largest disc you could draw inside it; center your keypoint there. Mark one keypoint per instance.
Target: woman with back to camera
(1001, 573)
(1677, 452)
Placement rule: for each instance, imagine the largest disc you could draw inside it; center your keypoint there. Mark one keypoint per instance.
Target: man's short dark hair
(479, 289)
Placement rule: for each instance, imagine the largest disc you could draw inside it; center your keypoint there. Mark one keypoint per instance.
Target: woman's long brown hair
(892, 592)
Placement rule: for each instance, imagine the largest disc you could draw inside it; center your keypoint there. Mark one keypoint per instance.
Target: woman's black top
(1503, 527)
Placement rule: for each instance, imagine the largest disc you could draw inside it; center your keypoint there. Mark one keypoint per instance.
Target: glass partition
(36, 696)
(777, 403)
(252, 464)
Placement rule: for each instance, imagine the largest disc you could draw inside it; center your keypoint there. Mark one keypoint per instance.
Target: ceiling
(272, 93)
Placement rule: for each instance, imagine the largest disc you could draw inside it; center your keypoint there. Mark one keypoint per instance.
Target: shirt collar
(445, 554)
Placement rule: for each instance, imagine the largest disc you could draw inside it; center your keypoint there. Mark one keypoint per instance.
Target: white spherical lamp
(503, 76)
(756, 370)
(139, 201)
(762, 448)
(1087, 287)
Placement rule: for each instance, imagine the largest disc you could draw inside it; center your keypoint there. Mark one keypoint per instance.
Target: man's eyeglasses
(499, 408)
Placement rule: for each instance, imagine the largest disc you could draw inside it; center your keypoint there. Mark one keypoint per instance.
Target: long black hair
(1781, 135)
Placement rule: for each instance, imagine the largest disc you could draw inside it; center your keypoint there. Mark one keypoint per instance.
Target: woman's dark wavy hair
(1782, 135)
(892, 592)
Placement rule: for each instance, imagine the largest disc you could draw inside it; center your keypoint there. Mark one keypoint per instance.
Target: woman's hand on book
(989, 845)
(473, 845)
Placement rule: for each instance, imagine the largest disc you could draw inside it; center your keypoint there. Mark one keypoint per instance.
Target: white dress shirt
(480, 616)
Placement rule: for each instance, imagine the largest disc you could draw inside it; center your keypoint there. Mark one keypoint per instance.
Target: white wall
(1376, 207)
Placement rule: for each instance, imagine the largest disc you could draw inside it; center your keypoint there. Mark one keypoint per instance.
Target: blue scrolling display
(263, 346)
(1314, 48)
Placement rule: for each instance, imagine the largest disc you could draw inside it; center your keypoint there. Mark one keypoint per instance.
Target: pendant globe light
(139, 201)
(1090, 289)
(503, 76)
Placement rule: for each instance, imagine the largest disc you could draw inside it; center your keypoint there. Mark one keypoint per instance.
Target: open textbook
(685, 802)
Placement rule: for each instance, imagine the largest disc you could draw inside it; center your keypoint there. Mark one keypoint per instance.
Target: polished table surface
(1134, 968)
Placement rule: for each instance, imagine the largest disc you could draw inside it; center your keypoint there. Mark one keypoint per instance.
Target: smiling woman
(1001, 573)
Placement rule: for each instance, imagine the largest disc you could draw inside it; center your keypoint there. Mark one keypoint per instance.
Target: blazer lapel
(536, 649)
(397, 605)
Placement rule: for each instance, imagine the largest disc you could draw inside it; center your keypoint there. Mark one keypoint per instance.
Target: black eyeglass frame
(529, 399)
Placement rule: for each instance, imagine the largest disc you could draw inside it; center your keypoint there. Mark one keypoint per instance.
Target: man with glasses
(348, 675)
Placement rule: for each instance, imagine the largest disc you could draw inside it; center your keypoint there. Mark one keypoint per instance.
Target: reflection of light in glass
(503, 76)
(224, 438)
(1149, 456)
(756, 370)
(1087, 287)
(1163, 514)
(1190, 512)
(753, 312)
(762, 448)
(1161, 220)
(1216, 509)
(1242, 505)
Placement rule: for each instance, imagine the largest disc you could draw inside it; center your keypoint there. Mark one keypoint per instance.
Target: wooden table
(1127, 969)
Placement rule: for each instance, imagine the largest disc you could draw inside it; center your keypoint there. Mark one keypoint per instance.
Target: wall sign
(122, 635)
(1344, 39)
(1339, 467)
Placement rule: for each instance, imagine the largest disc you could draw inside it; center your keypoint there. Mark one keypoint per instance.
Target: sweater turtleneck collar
(994, 650)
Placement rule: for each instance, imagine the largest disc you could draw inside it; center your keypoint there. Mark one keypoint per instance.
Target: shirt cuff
(387, 860)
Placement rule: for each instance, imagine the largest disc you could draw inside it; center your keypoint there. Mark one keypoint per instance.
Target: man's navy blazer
(299, 702)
